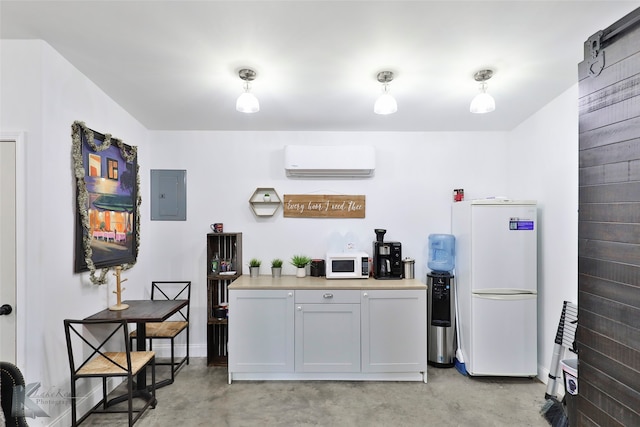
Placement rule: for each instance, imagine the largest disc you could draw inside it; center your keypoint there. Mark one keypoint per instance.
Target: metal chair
(171, 328)
(88, 345)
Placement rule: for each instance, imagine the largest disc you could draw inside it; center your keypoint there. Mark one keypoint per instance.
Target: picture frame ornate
(107, 229)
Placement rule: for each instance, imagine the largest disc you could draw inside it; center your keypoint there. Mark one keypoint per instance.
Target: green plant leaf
(300, 260)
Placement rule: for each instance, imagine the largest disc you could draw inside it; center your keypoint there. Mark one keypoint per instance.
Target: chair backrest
(176, 290)
(88, 339)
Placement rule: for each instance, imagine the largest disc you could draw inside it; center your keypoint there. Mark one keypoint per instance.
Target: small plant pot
(301, 272)
(276, 271)
(266, 198)
(254, 271)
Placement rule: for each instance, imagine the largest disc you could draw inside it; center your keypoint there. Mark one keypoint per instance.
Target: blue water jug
(442, 252)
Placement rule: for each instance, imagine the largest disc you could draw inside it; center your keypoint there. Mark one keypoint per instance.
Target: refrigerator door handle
(503, 291)
(506, 297)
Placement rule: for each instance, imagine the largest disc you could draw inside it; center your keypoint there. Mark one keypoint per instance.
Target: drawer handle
(299, 308)
(365, 295)
(290, 294)
(327, 295)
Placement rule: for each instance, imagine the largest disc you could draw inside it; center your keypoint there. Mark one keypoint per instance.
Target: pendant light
(385, 104)
(247, 102)
(483, 102)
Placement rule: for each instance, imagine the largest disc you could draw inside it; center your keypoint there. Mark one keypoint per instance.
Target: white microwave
(354, 265)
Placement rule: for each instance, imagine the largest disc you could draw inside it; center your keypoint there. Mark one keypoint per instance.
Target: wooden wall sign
(323, 206)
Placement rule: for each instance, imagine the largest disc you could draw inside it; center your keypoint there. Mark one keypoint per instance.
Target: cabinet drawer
(329, 296)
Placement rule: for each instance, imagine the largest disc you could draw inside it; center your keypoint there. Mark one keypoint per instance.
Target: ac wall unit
(329, 161)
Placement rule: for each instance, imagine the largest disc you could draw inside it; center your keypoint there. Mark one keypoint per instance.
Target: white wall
(42, 94)
(410, 196)
(544, 165)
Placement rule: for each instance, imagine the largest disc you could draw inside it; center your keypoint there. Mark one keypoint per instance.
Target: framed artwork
(107, 202)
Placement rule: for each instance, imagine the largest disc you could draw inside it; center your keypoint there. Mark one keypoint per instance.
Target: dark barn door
(608, 336)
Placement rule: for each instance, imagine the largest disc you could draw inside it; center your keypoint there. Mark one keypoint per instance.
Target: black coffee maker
(387, 257)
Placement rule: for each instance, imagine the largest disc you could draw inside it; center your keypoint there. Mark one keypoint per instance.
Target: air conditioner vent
(329, 161)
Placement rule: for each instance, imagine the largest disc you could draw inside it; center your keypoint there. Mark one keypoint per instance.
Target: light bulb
(483, 102)
(247, 102)
(385, 104)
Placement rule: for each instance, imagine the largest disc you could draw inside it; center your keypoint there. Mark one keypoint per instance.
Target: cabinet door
(327, 337)
(261, 331)
(394, 331)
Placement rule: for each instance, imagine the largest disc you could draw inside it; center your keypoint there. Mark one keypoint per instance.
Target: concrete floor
(200, 396)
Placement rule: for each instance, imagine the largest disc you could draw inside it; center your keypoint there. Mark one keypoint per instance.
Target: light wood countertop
(294, 283)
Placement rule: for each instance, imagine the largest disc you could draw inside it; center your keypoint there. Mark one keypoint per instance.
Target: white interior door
(8, 250)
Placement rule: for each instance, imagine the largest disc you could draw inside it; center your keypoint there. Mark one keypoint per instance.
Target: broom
(459, 362)
(553, 409)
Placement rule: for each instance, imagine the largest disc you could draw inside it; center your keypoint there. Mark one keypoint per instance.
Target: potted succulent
(266, 197)
(276, 267)
(254, 267)
(300, 262)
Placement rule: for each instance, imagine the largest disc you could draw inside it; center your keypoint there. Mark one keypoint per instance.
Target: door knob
(5, 309)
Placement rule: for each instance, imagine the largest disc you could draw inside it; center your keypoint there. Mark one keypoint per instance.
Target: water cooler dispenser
(441, 334)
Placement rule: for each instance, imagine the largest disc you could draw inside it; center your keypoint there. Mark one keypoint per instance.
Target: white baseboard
(84, 403)
(164, 350)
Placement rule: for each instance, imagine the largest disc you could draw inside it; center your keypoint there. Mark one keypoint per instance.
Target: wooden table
(142, 312)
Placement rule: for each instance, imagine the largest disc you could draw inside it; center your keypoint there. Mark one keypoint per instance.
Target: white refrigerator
(496, 284)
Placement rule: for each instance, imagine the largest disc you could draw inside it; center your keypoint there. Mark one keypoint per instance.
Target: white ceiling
(173, 64)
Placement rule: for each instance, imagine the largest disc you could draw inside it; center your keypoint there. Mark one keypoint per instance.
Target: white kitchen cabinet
(393, 331)
(261, 331)
(313, 329)
(327, 331)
